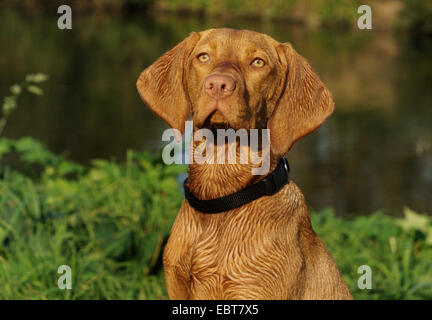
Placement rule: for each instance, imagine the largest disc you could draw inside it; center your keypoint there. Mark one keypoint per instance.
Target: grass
(109, 222)
(398, 251)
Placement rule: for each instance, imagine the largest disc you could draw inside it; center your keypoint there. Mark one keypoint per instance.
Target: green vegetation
(399, 252)
(10, 102)
(109, 223)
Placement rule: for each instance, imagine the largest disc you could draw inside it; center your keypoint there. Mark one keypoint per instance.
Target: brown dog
(265, 249)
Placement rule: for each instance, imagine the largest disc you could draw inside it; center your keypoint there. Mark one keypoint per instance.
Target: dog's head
(237, 79)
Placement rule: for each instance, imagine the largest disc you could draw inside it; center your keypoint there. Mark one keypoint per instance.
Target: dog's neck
(209, 181)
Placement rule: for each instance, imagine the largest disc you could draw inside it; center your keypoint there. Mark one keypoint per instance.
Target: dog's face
(233, 79)
(237, 79)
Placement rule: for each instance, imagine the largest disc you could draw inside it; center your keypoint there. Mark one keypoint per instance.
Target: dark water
(374, 152)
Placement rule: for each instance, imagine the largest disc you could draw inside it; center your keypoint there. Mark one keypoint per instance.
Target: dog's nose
(219, 86)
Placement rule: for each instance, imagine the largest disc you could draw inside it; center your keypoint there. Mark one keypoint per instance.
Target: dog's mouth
(215, 121)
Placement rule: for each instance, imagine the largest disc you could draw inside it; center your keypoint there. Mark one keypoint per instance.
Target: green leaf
(36, 77)
(66, 167)
(9, 103)
(414, 221)
(33, 151)
(16, 89)
(5, 146)
(35, 90)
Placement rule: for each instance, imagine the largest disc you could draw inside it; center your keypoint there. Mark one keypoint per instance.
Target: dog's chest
(210, 267)
(221, 252)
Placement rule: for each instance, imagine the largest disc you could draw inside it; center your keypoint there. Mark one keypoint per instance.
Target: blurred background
(82, 182)
(375, 152)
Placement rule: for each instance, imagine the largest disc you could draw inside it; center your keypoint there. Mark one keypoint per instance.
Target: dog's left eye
(203, 57)
(257, 62)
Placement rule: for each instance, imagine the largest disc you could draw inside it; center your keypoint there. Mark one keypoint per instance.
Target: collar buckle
(270, 185)
(286, 165)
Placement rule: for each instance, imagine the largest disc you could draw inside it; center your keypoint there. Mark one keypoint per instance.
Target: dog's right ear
(304, 105)
(161, 85)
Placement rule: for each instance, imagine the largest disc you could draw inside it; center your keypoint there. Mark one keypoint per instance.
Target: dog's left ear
(304, 104)
(161, 85)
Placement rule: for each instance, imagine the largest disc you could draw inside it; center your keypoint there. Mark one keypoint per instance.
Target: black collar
(271, 184)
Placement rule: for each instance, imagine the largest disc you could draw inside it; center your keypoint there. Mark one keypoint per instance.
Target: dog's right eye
(258, 62)
(203, 57)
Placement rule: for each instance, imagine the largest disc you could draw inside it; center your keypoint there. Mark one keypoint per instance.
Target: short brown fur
(265, 249)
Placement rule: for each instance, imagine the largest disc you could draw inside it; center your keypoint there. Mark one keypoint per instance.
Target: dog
(265, 248)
